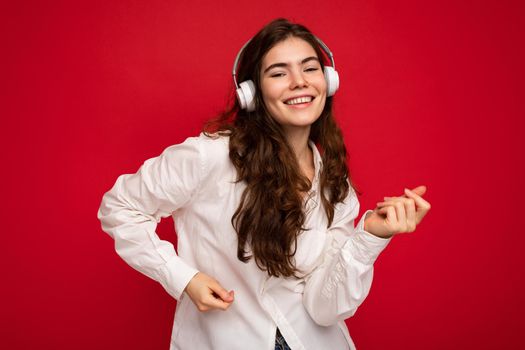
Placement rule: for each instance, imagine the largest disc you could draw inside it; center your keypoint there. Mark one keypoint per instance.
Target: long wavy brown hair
(271, 213)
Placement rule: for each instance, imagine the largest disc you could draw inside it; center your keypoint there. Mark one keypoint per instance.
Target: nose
(297, 80)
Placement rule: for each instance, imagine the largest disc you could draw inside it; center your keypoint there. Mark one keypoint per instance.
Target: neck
(298, 140)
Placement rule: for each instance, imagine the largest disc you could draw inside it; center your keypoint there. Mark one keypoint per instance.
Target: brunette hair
(270, 215)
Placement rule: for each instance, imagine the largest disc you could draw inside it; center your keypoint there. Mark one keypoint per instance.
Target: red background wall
(431, 93)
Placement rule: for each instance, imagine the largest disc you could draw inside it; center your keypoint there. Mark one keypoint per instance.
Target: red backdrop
(431, 93)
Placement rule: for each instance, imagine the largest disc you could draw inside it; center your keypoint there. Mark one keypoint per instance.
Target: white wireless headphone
(246, 90)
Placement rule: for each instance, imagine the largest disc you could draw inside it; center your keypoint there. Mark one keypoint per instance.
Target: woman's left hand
(398, 214)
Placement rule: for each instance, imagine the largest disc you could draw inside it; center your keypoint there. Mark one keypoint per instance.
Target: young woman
(268, 255)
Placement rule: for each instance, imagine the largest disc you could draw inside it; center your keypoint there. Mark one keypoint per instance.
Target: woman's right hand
(207, 294)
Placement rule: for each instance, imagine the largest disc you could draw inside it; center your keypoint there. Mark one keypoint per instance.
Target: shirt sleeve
(131, 209)
(337, 287)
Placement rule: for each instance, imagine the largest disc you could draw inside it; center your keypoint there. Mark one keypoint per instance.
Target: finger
(230, 293)
(410, 209)
(215, 303)
(420, 202)
(422, 206)
(391, 200)
(420, 190)
(221, 292)
(400, 205)
(401, 216)
(391, 217)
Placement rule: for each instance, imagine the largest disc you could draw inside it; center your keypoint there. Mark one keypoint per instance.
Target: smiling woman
(259, 208)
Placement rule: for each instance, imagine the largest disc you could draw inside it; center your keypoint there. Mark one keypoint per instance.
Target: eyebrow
(280, 64)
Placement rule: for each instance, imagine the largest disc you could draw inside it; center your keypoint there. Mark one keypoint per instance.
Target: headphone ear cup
(332, 80)
(246, 95)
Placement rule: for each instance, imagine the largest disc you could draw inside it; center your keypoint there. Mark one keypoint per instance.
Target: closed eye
(311, 69)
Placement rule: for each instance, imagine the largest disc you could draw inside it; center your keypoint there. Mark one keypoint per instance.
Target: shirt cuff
(364, 246)
(175, 276)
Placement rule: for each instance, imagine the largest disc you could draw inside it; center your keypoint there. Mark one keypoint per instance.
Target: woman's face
(292, 83)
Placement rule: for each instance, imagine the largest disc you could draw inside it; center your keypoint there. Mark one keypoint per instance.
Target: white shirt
(194, 182)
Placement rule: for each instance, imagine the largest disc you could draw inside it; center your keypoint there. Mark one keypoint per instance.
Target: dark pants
(280, 343)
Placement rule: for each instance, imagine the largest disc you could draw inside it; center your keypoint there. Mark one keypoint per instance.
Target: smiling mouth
(300, 101)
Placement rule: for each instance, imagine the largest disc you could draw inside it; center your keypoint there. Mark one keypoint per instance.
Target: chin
(299, 118)
(306, 122)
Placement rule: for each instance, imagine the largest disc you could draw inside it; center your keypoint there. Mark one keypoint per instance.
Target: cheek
(321, 83)
(270, 94)
(322, 104)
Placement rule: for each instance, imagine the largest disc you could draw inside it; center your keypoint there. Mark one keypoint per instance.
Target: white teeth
(299, 100)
